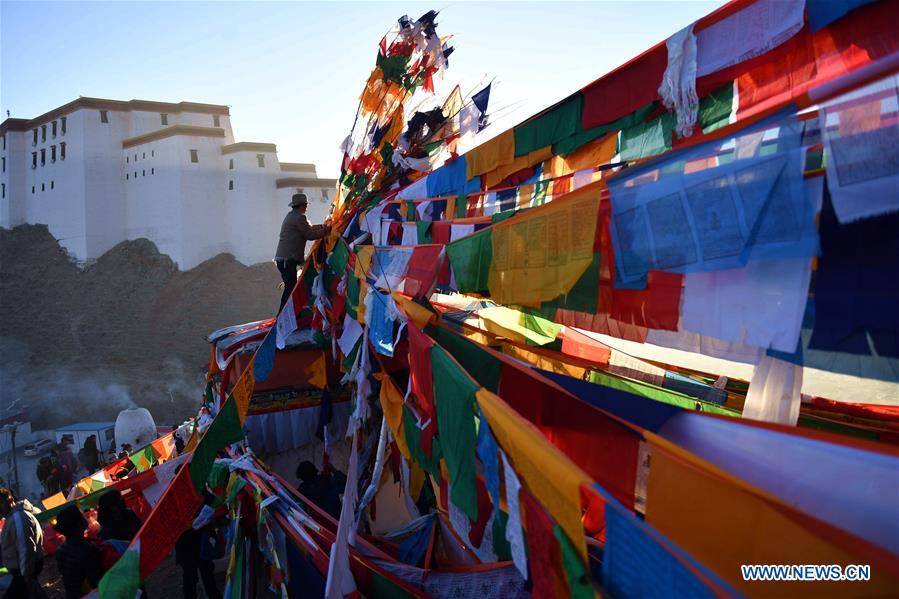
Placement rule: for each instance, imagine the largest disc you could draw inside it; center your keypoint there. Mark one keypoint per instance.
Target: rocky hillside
(81, 343)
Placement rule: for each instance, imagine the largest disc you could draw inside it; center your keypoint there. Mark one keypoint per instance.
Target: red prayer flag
(422, 382)
(171, 516)
(421, 273)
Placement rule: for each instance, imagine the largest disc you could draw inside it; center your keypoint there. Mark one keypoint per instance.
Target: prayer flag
(317, 372)
(541, 254)
(454, 396)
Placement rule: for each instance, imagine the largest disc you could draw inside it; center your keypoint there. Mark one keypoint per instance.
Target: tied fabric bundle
(678, 89)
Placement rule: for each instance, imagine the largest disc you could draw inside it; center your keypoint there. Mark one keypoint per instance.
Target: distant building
(99, 172)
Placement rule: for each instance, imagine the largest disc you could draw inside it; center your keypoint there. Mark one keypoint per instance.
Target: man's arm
(312, 231)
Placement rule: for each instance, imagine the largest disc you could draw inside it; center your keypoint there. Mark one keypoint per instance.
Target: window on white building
(215, 121)
(127, 176)
(324, 195)
(152, 153)
(231, 185)
(231, 164)
(43, 132)
(127, 159)
(143, 173)
(152, 171)
(63, 120)
(164, 118)
(194, 157)
(53, 128)
(62, 151)
(52, 153)
(32, 189)
(34, 141)
(104, 116)
(135, 174)
(260, 158)
(144, 155)
(34, 160)
(51, 184)
(43, 187)
(43, 156)
(135, 158)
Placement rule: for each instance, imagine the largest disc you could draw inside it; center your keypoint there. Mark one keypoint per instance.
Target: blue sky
(292, 71)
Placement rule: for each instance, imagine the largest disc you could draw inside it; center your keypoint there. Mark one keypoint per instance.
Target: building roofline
(12, 124)
(249, 146)
(193, 130)
(299, 167)
(304, 182)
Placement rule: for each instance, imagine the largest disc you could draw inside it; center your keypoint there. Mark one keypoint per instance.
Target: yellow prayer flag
(553, 479)
(363, 261)
(243, 391)
(540, 255)
(317, 372)
(507, 322)
(490, 155)
(420, 315)
(58, 499)
(392, 404)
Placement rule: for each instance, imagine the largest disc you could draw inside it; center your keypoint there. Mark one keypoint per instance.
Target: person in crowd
(321, 488)
(291, 250)
(195, 552)
(44, 470)
(21, 545)
(79, 560)
(89, 455)
(68, 464)
(117, 520)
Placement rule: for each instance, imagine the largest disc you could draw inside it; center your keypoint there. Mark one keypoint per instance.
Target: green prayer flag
(352, 296)
(384, 588)
(470, 258)
(578, 583)
(541, 326)
(224, 430)
(715, 109)
(483, 367)
(540, 190)
(424, 231)
(219, 475)
(663, 395)
(123, 578)
(647, 139)
(501, 546)
(410, 210)
(339, 257)
(144, 459)
(413, 440)
(582, 137)
(454, 395)
(582, 297)
(557, 123)
(501, 216)
(462, 206)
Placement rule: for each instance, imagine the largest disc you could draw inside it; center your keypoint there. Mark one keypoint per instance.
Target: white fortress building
(98, 172)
